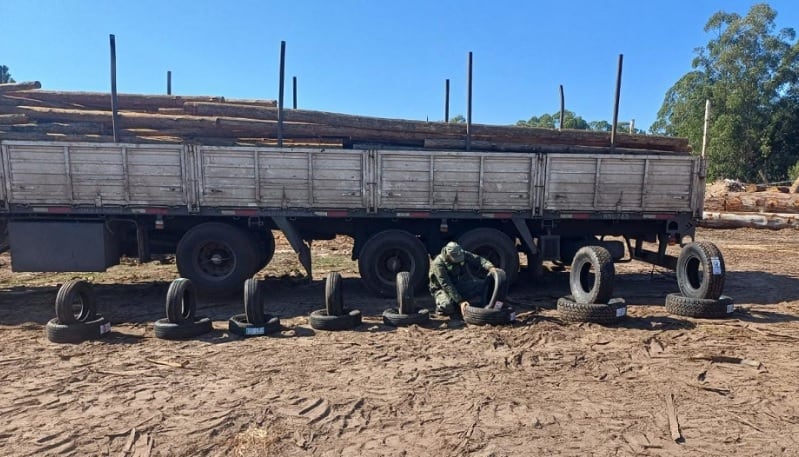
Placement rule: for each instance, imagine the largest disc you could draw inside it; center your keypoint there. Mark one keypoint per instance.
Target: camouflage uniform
(450, 281)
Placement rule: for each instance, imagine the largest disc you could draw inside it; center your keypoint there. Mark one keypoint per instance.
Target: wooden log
(8, 119)
(28, 136)
(518, 147)
(74, 128)
(102, 101)
(754, 202)
(772, 221)
(178, 111)
(14, 87)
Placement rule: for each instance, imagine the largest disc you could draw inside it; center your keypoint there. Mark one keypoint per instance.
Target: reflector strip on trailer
(332, 213)
(52, 209)
(240, 212)
(416, 214)
(150, 210)
(657, 216)
(574, 216)
(498, 215)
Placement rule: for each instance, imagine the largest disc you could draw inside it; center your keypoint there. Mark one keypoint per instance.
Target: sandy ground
(538, 387)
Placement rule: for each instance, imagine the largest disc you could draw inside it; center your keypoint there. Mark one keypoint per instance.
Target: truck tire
(476, 315)
(334, 294)
(388, 253)
(75, 302)
(254, 302)
(600, 313)
(265, 242)
(700, 271)
(394, 318)
(496, 287)
(171, 331)
(238, 325)
(406, 303)
(320, 320)
(181, 301)
(58, 332)
(592, 275)
(699, 307)
(217, 257)
(495, 246)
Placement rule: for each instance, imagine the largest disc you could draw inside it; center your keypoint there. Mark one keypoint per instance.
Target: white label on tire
(620, 312)
(105, 328)
(730, 308)
(255, 330)
(512, 317)
(716, 265)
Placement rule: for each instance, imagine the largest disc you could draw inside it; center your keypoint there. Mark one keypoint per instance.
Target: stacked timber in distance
(29, 113)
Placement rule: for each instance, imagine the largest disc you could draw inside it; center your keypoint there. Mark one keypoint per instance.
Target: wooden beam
(13, 87)
(772, 221)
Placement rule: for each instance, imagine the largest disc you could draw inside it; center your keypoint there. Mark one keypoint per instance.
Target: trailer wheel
(496, 287)
(406, 303)
(171, 331)
(700, 271)
(75, 302)
(592, 274)
(699, 307)
(58, 332)
(254, 302)
(334, 294)
(600, 313)
(181, 301)
(495, 246)
(216, 257)
(265, 242)
(388, 253)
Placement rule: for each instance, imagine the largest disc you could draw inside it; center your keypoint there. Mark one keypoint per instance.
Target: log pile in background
(29, 113)
(756, 206)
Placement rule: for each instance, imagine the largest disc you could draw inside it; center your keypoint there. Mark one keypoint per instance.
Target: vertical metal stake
(169, 83)
(280, 94)
(469, 104)
(114, 100)
(446, 100)
(294, 84)
(704, 130)
(616, 103)
(562, 108)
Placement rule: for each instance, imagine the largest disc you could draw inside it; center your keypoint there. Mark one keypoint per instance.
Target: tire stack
(76, 315)
(700, 276)
(406, 313)
(495, 290)
(181, 307)
(334, 316)
(255, 321)
(591, 283)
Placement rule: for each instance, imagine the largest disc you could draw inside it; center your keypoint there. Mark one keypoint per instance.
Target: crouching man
(451, 285)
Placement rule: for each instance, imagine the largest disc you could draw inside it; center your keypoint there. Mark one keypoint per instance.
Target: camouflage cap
(453, 252)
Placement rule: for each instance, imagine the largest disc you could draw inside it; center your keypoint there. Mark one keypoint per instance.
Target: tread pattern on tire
(604, 275)
(600, 313)
(394, 318)
(406, 303)
(238, 325)
(254, 302)
(320, 320)
(181, 301)
(681, 305)
(66, 296)
(78, 332)
(711, 285)
(334, 294)
(476, 315)
(167, 330)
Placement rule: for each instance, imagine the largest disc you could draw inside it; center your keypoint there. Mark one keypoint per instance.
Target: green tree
(5, 76)
(747, 70)
(552, 121)
(457, 119)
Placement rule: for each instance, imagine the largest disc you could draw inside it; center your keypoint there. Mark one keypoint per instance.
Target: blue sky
(377, 58)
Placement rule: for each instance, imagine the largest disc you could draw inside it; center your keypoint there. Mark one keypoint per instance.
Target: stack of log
(29, 113)
(757, 206)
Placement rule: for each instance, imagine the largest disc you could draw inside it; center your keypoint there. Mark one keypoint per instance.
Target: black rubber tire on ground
(592, 275)
(217, 257)
(406, 303)
(388, 253)
(496, 287)
(78, 332)
(495, 246)
(171, 331)
(394, 318)
(476, 315)
(254, 302)
(320, 320)
(265, 248)
(181, 301)
(699, 307)
(238, 325)
(601, 313)
(334, 294)
(75, 302)
(701, 271)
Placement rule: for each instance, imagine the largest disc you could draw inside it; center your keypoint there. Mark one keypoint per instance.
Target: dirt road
(538, 387)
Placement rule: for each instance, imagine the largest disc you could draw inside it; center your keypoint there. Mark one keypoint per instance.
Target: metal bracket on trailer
(524, 233)
(299, 246)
